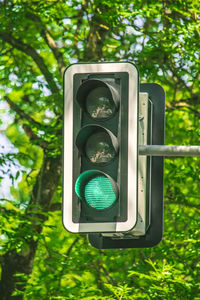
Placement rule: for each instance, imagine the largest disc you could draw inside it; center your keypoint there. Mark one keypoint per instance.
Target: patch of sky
(46, 91)
(145, 40)
(41, 132)
(177, 58)
(116, 37)
(41, 85)
(13, 77)
(5, 89)
(87, 16)
(67, 21)
(132, 48)
(138, 47)
(175, 44)
(140, 40)
(181, 38)
(73, 60)
(186, 79)
(78, 6)
(80, 45)
(68, 42)
(120, 54)
(49, 114)
(35, 86)
(135, 47)
(3, 237)
(16, 8)
(139, 21)
(14, 80)
(182, 21)
(158, 19)
(125, 21)
(131, 5)
(9, 170)
(6, 118)
(131, 31)
(59, 44)
(196, 55)
(159, 26)
(170, 73)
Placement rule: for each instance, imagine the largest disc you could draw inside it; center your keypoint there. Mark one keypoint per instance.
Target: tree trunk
(22, 262)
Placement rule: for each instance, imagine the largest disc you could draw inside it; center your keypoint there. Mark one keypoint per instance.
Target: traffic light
(109, 190)
(100, 184)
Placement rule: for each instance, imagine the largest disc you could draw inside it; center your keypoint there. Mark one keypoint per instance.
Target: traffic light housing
(100, 185)
(109, 190)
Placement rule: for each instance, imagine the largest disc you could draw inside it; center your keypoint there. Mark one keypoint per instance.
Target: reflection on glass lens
(99, 148)
(99, 104)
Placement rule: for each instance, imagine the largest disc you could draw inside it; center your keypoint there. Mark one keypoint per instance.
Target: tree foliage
(38, 39)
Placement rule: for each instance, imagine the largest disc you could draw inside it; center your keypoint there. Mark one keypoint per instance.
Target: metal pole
(162, 150)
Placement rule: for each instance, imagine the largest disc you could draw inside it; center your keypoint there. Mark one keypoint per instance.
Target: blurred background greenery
(38, 39)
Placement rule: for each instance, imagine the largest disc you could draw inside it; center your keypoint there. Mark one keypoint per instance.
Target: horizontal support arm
(162, 150)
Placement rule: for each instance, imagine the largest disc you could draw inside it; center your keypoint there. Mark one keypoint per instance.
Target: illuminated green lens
(96, 189)
(81, 182)
(99, 193)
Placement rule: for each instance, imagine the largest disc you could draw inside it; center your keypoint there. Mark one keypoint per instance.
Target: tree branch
(49, 41)
(96, 37)
(30, 51)
(21, 113)
(32, 136)
(182, 105)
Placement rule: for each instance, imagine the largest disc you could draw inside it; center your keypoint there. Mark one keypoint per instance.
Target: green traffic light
(96, 189)
(99, 193)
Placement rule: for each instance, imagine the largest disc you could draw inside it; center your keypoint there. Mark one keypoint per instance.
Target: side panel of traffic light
(100, 147)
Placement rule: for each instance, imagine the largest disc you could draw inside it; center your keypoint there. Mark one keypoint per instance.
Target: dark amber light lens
(99, 148)
(99, 103)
